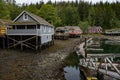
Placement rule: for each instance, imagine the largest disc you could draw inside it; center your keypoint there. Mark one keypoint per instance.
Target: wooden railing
(102, 64)
(21, 32)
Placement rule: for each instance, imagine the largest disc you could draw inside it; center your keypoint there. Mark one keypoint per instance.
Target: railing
(99, 62)
(102, 64)
(21, 32)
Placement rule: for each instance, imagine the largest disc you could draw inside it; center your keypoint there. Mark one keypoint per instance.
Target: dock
(103, 63)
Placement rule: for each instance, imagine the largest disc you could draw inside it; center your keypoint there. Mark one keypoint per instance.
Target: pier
(103, 63)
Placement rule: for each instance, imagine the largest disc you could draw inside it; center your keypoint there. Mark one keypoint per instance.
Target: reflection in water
(110, 46)
(72, 73)
(72, 70)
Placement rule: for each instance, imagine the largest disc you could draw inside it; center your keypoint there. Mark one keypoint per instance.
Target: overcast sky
(34, 1)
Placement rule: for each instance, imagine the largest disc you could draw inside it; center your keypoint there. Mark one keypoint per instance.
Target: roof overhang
(23, 23)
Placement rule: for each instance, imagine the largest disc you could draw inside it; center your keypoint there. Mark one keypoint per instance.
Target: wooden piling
(7, 42)
(85, 47)
(3, 42)
(36, 42)
(21, 43)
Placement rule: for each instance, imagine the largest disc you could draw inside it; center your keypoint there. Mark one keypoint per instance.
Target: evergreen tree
(49, 13)
(69, 15)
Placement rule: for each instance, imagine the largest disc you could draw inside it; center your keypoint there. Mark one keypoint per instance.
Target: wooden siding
(21, 19)
(94, 30)
(46, 38)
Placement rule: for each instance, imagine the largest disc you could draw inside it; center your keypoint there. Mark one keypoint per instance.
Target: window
(44, 28)
(31, 27)
(49, 29)
(14, 27)
(25, 17)
(20, 27)
(38, 27)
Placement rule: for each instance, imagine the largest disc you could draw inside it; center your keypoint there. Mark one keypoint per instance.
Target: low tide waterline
(72, 73)
(72, 69)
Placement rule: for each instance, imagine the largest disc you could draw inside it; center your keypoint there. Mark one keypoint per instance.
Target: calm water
(72, 73)
(110, 46)
(72, 70)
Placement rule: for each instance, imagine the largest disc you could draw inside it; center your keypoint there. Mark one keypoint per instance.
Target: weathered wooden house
(3, 23)
(29, 30)
(61, 33)
(74, 31)
(94, 29)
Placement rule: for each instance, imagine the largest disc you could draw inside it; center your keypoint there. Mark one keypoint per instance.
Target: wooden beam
(3, 43)
(36, 42)
(7, 42)
(21, 43)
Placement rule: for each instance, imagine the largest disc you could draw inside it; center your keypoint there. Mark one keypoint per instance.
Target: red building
(74, 31)
(95, 29)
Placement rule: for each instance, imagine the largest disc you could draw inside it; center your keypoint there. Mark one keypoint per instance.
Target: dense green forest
(83, 14)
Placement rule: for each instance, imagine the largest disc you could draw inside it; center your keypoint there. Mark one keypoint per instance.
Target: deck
(22, 32)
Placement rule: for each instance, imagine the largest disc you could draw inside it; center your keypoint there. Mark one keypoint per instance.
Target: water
(72, 70)
(72, 73)
(107, 46)
(110, 46)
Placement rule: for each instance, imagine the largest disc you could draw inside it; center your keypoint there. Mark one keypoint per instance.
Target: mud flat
(26, 65)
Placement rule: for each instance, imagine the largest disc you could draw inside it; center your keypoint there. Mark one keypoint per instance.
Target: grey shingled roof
(60, 28)
(4, 22)
(36, 18)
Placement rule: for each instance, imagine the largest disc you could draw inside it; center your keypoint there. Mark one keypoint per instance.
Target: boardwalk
(80, 47)
(104, 55)
(99, 62)
(109, 73)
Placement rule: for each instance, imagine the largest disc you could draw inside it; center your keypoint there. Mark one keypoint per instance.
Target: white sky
(34, 1)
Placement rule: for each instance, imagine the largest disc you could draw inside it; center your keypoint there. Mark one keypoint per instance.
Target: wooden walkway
(99, 62)
(103, 64)
(104, 55)
(109, 73)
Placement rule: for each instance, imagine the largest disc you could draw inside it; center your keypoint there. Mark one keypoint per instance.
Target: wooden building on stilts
(29, 31)
(3, 38)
